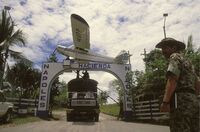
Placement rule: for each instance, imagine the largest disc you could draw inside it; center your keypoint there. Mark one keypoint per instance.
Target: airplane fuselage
(84, 55)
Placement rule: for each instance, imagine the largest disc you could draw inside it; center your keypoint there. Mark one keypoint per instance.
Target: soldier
(180, 97)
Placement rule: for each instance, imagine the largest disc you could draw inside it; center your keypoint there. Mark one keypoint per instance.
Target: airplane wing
(80, 32)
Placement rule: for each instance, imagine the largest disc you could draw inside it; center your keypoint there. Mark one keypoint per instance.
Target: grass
(56, 108)
(110, 109)
(25, 119)
(19, 120)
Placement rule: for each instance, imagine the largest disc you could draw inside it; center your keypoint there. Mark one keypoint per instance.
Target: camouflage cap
(171, 41)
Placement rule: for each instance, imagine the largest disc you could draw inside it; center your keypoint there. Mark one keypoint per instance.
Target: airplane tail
(80, 32)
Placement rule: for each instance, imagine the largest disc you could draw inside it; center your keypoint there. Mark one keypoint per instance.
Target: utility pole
(129, 58)
(145, 56)
(164, 15)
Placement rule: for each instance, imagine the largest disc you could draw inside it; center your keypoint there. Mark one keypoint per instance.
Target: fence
(148, 110)
(24, 106)
(142, 109)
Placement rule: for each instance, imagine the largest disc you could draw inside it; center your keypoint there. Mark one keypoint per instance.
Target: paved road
(106, 124)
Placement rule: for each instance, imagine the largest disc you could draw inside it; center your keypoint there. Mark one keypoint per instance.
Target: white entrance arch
(51, 70)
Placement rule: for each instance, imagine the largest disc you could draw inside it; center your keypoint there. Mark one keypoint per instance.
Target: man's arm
(169, 90)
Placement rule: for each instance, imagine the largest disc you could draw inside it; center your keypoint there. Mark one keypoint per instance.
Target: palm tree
(8, 38)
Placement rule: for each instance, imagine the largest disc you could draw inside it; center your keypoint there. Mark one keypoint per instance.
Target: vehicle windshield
(83, 95)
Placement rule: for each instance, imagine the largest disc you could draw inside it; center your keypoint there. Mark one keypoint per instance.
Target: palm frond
(17, 38)
(19, 57)
(14, 54)
(9, 37)
(6, 27)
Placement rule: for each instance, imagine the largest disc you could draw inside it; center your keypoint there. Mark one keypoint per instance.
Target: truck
(6, 109)
(82, 99)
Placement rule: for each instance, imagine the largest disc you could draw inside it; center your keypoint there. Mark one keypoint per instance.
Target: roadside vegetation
(19, 120)
(110, 109)
(24, 119)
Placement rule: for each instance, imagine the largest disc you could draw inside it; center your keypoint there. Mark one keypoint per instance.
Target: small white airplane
(81, 49)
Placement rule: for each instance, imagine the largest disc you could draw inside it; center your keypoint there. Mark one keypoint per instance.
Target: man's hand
(165, 107)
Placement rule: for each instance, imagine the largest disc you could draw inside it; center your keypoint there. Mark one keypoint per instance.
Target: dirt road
(106, 124)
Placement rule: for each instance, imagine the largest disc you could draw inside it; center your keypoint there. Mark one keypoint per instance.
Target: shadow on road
(87, 123)
(51, 118)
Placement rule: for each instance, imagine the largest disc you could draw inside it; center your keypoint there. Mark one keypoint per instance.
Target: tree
(103, 96)
(52, 58)
(25, 80)
(8, 38)
(62, 98)
(117, 86)
(153, 80)
(189, 48)
(193, 55)
(138, 82)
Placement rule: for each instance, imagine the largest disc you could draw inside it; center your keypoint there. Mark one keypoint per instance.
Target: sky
(115, 25)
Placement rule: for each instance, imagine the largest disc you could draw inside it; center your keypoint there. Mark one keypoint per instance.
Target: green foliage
(138, 80)
(61, 100)
(115, 85)
(110, 109)
(25, 119)
(52, 58)
(25, 80)
(151, 83)
(155, 61)
(102, 97)
(193, 55)
(20, 120)
(154, 83)
(9, 37)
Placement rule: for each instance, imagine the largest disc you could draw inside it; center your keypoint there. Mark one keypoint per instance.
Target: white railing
(148, 110)
(24, 106)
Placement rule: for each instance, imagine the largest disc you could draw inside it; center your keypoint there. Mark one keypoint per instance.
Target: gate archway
(52, 70)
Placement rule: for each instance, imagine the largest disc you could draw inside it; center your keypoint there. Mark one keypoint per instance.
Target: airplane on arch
(81, 49)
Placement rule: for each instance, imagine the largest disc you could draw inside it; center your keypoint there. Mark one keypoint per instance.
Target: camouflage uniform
(184, 118)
